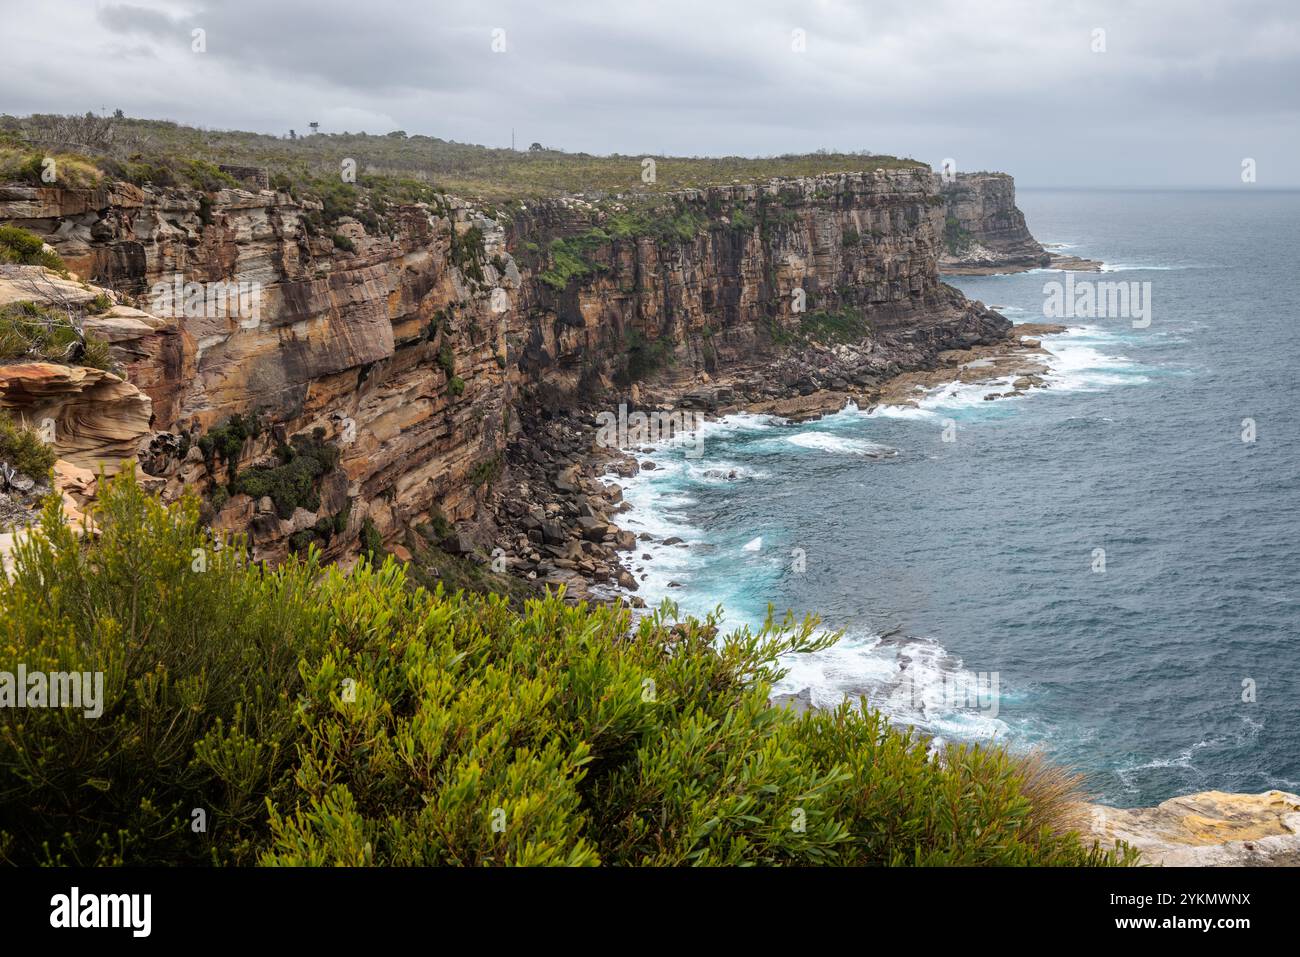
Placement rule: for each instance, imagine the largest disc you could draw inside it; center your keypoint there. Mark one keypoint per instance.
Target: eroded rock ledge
(1212, 828)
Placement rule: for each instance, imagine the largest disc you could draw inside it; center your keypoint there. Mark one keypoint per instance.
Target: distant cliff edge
(985, 232)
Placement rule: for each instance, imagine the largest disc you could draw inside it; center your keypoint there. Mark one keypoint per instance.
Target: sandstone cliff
(984, 230)
(417, 350)
(418, 354)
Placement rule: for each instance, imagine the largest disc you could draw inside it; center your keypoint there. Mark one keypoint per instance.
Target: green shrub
(833, 325)
(430, 567)
(204, 176)
(456, 385)
(447, 360)
(439, 529)
(294, 482)
(320, 718)
(23, 450)
(487, 471)
(467, 252)
(344, 243)
(404, 168)
(956, 239)
(99, 305)
(23, 165)
(36, 333)
(642, 357)
(199, 688)
(219, 498)
(341, 518)
(226, 441)
(567, 262)
(372, 543)
(171, 170)
(324, 530)
(27, 249)
(300, 541)
(664, 223)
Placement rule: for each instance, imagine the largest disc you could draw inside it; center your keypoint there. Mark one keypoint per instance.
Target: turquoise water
(976, 559)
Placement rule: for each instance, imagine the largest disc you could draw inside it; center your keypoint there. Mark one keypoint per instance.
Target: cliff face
(983, 228)
(417, 352)
(726, 299)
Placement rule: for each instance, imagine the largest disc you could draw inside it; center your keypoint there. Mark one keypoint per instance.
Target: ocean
(1106, 569)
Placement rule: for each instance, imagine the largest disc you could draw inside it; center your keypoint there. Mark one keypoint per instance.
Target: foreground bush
(22, 449)
(302, 716)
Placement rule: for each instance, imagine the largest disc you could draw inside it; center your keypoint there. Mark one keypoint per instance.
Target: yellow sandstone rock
(98, 420)
(1212, 828)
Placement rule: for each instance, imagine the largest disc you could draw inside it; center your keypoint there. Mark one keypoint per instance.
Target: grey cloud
(1009, 84)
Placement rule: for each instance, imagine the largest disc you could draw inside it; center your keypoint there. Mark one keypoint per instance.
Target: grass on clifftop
(135, 149)
(298, 715)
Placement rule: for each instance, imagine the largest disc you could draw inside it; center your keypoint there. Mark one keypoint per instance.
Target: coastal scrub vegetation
(666, 223)
(822, 326)
(27, 249)
(226, 441)
(642, 357)
(293, 482)
(31, 332)
(147, 150)
(302, 716)
(834, 325)
(22, 449)
(432, 565)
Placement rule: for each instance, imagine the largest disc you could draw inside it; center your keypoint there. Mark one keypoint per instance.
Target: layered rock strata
(984, 230)
(455, 367)
(417, 352)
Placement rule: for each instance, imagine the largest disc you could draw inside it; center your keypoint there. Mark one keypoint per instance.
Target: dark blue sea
(1103, 569)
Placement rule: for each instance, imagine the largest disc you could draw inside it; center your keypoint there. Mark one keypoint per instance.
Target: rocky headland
(417, 353)
(429, 385)
(985, 231)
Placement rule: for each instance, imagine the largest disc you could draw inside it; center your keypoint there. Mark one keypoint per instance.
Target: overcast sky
(1183, 92)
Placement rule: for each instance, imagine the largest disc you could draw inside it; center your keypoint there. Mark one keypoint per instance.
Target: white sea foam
(1077, 365)
(739, 422)
(1244, 737)
(900, 412)
(719, 472)
(829, 442)
(944, 399)
(912, 681)
(1135, 267)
